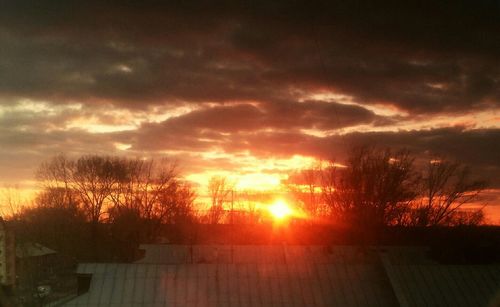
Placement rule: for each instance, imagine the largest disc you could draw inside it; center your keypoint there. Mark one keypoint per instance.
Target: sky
(248, 89)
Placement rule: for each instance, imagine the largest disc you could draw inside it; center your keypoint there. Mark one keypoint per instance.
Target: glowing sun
(280, 209)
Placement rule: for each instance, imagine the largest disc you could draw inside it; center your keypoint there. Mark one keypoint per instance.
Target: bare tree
(50, 223)
(55, 174)
(90, 178)
(329, 181)
(151, 187)
(178, 204)
(11, 201)
(306, 186)
(446, 187)
(93, 178)
(144, 186)
(104, 186)
(57, 198)
(219, 189)
(374, 189)
(248, 202)
(147, 195)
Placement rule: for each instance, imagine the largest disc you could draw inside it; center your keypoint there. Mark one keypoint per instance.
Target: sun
(279, 209)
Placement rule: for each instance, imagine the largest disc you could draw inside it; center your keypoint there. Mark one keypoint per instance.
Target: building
(35, 264)
(281, 275)
(7, 256)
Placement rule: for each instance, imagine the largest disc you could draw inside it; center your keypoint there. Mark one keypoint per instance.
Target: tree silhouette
(446, 187)
(385, 187)
(112, 188)
(374, 188)
(219, 189)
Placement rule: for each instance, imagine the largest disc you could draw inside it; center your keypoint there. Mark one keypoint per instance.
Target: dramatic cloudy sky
(250, 89)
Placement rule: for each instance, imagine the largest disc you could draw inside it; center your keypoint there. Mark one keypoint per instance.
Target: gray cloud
(213, 127)
(439, 59)
(476, 148)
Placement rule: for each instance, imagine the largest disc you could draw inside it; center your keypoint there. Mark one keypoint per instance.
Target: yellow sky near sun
(256, 173)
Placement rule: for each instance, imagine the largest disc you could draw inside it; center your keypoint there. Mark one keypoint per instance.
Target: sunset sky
(248, 90)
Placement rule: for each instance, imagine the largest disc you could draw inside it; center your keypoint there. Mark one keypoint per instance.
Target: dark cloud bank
(423, 57)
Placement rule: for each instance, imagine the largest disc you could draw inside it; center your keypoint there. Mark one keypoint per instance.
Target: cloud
(476, 148)
(443, 58)
(215, 127)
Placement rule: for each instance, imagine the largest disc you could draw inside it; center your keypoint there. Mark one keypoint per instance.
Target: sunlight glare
(280, 209)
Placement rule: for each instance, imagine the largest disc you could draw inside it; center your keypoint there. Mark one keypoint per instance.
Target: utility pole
(232, 226)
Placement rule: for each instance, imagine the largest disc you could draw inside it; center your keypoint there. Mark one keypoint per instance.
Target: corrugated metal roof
(282, 254)
(257, 284)
(224, 275)
(406, 254)
(25, 250)
(445, 285)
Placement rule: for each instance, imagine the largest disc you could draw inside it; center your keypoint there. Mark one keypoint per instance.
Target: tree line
(105, 203)
(111, 204)
(384, 187)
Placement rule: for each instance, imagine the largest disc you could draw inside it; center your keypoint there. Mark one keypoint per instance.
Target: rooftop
(281, 275)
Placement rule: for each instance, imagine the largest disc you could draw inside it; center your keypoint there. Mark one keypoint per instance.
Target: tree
(94, 178)
(57, 198)
(149, 195)
(90, 178)
(306, 187)
(55, 175)
(247, 201)
(178, 204)
(53, 223)
(114, 189)
(329, 182)
(154, 190)
(219, 190)
(11, 201)
(144, 184)
(374, 188)
(445, 188)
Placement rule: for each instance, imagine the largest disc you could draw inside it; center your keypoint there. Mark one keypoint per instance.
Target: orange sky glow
(252, 93)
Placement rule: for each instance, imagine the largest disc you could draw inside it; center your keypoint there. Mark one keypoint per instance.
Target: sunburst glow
(280, 209)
